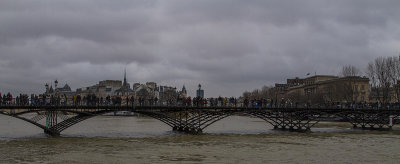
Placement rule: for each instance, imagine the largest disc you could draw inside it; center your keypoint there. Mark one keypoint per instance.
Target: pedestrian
(132, 100)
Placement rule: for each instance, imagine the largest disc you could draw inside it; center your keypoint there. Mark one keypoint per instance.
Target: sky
(228, 46)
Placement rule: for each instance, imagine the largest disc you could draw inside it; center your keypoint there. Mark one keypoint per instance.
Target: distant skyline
(228, 46)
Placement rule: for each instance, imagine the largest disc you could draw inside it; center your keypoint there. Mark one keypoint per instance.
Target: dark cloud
(227, 45)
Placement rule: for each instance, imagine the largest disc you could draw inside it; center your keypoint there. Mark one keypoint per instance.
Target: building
(294, 82)
(281, 87)
(107, 88)
(102, 89)
(110, 88)
(322, 88)
(66, 88)
(125, 89)
(163, 94)
(146, 91)
(183, 92)
(64, 94)
(167, 94)
(200, 92)
(318, 78)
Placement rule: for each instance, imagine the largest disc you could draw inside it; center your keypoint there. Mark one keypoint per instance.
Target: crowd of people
(200, 101)
(76, 100)
(6, 99)
(93, 100)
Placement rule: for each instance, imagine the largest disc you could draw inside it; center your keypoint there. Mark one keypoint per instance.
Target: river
(236, 139)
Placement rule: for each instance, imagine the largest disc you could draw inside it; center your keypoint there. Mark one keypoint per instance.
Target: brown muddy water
(236, 139)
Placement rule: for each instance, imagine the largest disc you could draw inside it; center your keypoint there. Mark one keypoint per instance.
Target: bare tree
(349, 70)
(384, 73)
(246, 94)
(265, 91)
(372, 74)
(392, 66)
(348, 89)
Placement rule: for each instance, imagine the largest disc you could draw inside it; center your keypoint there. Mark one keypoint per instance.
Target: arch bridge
(193, 120)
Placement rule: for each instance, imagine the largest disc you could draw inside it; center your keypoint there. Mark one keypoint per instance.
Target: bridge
(193, 120)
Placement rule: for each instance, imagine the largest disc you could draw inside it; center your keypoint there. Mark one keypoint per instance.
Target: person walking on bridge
(132, 100)
(9, 98)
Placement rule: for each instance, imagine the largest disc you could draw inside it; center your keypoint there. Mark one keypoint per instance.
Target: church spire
(125, 83)
(184, 88)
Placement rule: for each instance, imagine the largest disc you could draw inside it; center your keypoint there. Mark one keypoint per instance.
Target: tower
(183, 91)
(47, 87)
(125, 83)
(55, 84)
(125, 88)
(200, 92)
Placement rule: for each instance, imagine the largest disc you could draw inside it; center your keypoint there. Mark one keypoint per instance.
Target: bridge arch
(23, 119)
(211, 120)
(198, 118)
(79, 117)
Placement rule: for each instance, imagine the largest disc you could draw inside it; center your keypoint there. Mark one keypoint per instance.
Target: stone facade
(102, 89)
(318, 89)
(117, 88)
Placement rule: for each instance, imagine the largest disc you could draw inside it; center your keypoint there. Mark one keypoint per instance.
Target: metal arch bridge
(193, 120)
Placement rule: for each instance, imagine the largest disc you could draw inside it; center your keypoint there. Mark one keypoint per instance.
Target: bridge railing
(85, 108)
(236, 104)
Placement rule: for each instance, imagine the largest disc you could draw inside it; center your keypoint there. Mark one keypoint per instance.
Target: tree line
(384, 73)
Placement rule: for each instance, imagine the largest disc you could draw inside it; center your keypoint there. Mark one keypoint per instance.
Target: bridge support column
(390, 122)
(51, 118)
(187, 129)
(51, 121)
(308, 130)
(199, 131)
(51, 133)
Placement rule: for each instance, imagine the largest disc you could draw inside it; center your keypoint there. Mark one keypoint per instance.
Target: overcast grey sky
(228, 46)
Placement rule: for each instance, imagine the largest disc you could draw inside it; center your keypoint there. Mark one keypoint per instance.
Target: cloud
(228, 46)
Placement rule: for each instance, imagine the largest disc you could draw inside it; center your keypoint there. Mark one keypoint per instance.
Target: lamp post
(276, 96)
(308, 98)
(56, 98)
(198, 92)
